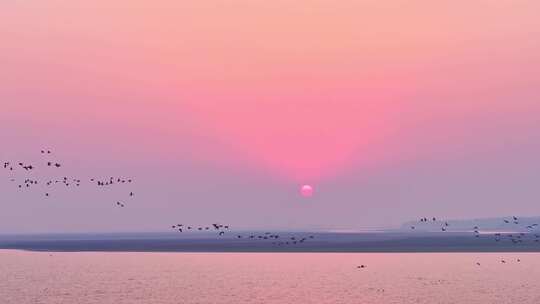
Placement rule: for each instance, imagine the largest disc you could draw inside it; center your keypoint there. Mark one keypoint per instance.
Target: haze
(221, 110)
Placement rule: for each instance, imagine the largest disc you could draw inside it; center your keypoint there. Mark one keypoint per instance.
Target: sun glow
(306, 191)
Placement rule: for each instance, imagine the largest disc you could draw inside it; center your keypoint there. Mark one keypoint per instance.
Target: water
(159, 278)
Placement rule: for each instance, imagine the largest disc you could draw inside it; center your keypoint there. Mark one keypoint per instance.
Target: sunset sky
(222, 110)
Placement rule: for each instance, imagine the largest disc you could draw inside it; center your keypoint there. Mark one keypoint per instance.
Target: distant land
(427, 237)
(497, 224)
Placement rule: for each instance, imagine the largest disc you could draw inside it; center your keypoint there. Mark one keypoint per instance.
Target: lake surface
(98, 277)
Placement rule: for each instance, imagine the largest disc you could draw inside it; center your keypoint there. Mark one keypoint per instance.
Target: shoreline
(395, 242)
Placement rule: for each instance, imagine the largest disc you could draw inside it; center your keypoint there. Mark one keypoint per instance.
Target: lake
(167, 278)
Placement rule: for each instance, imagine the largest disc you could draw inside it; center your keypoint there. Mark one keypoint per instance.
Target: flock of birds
(514, 237)
(503, 261)
(220, 229)
(532, 235)
(29, 182)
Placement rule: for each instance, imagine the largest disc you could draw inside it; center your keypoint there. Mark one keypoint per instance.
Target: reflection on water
(28, 277)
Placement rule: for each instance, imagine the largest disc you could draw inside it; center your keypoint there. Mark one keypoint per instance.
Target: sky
(222, 110)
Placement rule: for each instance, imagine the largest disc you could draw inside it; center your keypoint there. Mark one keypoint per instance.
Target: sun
(306, 191)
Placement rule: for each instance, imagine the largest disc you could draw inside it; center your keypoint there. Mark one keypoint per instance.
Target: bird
(361, 266)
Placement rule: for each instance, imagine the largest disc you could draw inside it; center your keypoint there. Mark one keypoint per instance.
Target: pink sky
(319, 92)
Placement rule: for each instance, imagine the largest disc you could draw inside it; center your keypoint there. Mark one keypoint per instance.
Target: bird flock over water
(217, 227)
(221, 230)
(28, 181)
(532, 233)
